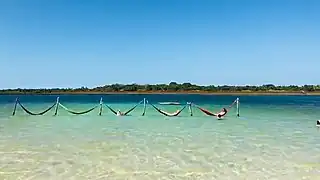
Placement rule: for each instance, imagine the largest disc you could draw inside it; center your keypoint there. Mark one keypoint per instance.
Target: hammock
(127, 112)
(207, 112)
(32, 113)
(77, 113)
(167, 113)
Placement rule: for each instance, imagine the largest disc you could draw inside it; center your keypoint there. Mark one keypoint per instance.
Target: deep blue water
(200, 99)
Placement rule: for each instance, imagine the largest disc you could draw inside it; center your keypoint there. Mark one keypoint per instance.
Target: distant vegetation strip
(173, 87)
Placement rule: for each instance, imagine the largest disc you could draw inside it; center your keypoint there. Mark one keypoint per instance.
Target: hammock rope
(167, 113)
(15, 107)
(33, 113)
(127, 112)
(78, 113)
(114, 112)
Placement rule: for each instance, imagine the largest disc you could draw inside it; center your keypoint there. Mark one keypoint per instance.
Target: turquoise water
(275, 137)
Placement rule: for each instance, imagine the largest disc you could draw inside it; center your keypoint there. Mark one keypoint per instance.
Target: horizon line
(128, 84)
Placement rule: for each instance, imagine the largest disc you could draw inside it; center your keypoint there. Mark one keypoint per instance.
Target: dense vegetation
(171, 87)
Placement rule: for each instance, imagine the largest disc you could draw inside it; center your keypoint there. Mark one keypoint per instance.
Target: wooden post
(57, 106)
(190, 109)
(100, 110)
(238, 107)
(144, 107)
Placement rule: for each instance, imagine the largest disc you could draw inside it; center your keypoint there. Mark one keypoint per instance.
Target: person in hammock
(119, 113)
(222, 113)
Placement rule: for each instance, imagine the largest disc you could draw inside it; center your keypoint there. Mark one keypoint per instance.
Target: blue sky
(90, 43)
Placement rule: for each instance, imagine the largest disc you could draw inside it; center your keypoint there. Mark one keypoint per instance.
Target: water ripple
(263, 146)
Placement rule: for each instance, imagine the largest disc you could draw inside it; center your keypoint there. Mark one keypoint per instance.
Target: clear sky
(74, 43)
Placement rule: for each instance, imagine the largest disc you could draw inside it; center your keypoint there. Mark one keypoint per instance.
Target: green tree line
(171, 87)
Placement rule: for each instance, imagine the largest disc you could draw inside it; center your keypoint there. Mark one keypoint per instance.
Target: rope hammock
(125, 113)
(77, 113)
(167, 113)
(209, 113)
(30, 112)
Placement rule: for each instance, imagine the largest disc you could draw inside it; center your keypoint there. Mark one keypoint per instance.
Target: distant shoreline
(162, 92)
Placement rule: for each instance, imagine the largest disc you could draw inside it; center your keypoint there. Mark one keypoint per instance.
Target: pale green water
(267, 142)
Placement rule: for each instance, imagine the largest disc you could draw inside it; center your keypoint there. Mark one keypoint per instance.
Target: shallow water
(274, 138)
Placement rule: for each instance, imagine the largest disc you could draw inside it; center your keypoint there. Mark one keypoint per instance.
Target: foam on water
(266, 142)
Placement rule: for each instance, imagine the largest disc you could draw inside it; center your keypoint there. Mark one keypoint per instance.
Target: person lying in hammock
(119, 113)
(222, 113)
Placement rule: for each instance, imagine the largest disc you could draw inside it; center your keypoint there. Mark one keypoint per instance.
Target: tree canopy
(171, 87)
